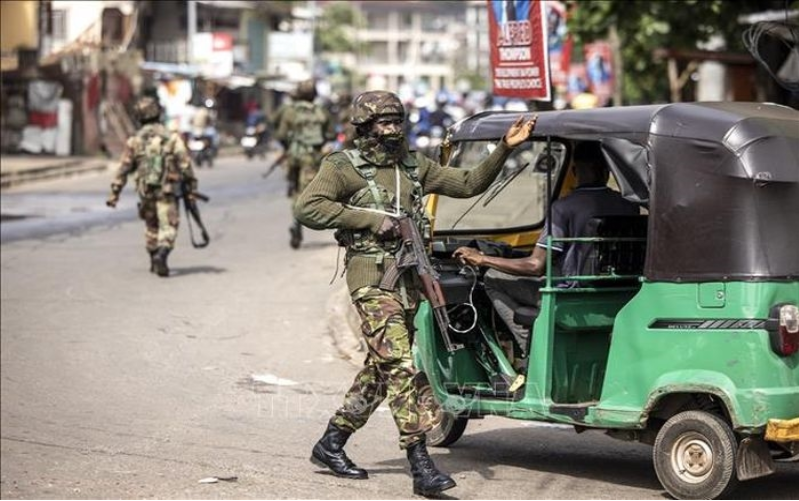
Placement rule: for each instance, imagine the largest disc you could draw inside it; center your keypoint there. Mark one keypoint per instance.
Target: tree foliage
(644, 26)
(336, 27)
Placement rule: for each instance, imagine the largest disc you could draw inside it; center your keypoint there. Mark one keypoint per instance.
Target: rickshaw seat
(525, 315)
(615, 257)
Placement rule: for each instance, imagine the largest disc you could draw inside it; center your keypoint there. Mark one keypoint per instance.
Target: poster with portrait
(519, 49)
(599, 70)
(560, 43)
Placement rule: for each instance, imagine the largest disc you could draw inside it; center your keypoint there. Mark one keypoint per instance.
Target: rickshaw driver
(509, 282)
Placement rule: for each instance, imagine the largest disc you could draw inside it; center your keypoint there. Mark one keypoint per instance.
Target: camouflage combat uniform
(158, 160)
(304, 128)
(352, 193)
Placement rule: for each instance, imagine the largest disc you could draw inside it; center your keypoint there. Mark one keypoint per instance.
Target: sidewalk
(19, 169)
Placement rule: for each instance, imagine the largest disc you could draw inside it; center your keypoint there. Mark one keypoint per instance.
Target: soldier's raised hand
(520, 131)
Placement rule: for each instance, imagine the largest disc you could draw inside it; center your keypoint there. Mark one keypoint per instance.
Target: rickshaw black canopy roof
(721, 180)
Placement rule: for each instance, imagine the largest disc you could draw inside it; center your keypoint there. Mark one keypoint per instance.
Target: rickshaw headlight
(785, 338)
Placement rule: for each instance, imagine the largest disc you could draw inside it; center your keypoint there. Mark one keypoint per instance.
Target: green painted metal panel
(621, 369)
(712, 295)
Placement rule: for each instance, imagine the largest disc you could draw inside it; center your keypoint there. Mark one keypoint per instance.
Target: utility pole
(618, 65)
(312, 60)
(191, 29)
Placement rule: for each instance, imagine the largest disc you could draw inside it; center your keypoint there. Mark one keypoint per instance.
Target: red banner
(519, 49)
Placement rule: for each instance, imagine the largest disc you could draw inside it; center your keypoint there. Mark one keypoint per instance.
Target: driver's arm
(532, 265)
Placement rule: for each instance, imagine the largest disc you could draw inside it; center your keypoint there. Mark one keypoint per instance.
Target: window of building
(434, 23)
(403, 52)
(377, 21)
(378, 52)
(406, 20)
(58, 24)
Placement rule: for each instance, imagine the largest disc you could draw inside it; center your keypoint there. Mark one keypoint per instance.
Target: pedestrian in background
(159, 161)
(303, 130)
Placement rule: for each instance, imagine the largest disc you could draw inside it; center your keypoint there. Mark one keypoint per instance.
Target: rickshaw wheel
(448, 430)
(694, 456)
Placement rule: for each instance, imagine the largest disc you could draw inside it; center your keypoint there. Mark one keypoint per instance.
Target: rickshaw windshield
(516, 199)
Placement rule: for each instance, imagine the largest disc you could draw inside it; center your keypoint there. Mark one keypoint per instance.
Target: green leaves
(646, 25)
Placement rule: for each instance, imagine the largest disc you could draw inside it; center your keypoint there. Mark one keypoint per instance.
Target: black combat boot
(329, 452)
(427, 480)
(159, 261)
(152, 259)
(296, 235)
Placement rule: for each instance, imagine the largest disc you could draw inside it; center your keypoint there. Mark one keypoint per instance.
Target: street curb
(344, 327)
(76, 167)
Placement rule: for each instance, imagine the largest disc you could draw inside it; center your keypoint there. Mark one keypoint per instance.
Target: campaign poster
(519, 49)
(599, 70)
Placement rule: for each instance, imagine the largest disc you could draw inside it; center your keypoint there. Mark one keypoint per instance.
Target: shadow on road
(603, 459)
(179, 272)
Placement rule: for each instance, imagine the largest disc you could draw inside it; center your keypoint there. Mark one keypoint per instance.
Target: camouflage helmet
(147, 109)
(306, 90)
(373, 104)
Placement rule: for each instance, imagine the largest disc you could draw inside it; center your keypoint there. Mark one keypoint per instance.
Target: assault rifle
(413, 254)
(193, 212)
(278, 161)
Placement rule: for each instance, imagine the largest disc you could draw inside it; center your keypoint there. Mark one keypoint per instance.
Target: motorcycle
(429, 141)
(254, 142)
(201, 149)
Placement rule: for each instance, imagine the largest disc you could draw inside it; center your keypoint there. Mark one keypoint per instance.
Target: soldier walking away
(360, 192)
(159, 161)
(303, 130)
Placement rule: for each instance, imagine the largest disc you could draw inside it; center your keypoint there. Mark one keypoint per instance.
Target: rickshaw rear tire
(448, 431)
(694, 456)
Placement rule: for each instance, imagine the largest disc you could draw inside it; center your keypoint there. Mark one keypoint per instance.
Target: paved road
(118, 384)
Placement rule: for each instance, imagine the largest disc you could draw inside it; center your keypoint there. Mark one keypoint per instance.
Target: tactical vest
(152, 158)
(308, 127)
(378, 198)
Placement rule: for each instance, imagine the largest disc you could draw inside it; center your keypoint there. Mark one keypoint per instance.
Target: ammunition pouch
(364, 242)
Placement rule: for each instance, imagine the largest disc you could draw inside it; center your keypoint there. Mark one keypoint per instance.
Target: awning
(234, 81)
(181, 69)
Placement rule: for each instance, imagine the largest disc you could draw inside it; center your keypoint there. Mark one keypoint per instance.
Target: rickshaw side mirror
(545, 163)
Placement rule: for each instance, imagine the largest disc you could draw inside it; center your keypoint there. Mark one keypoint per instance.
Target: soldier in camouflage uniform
(303, 130)
(359, 192)
(158, 160)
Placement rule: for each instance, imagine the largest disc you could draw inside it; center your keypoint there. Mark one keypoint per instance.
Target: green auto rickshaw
(684, 331)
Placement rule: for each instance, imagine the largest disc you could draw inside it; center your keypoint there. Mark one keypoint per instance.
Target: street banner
(560, 44)
(599, 70)
(213, 53)
(519, 49)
